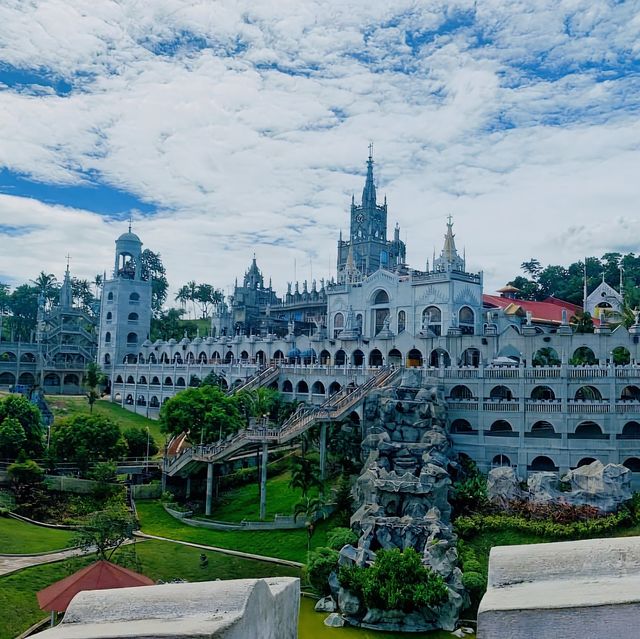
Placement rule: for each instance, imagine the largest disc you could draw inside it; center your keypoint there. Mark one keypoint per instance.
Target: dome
(129, 237)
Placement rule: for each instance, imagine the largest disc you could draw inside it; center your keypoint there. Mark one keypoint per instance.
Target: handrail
(299, 422)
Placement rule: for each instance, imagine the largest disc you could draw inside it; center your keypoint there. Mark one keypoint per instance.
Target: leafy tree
(339, 537)
(105, 474)
(205, 412)
(82, 294)
(153, 269)
(305, 474)
(582, 323)
(47, 284)
(167, 325)
(26, 479)
(213, 379)
(25, 472)
(206, 295)
(105, 531)
(21, 409)
(396, 581)
(546, 356)
(532, 267)
(12, 438)
(259, 402)
(137, 439)
(84, 438)
(320, 564)
(528, 289)
(343, 501)
(23, 305)
(93, 377)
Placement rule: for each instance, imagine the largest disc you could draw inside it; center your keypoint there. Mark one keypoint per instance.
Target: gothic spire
(449, 251)
(369, 191)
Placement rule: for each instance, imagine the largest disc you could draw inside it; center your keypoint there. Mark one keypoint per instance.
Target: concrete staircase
(334, 409)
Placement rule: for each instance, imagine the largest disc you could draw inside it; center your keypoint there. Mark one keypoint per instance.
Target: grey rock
(334, 620)
(348, 603)
(326, 604)
(503, 486)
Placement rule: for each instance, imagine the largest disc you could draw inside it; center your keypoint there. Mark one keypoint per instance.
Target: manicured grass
(284, 544)
(70, 406)
(244, 502)
(21, 538)
(158, 560)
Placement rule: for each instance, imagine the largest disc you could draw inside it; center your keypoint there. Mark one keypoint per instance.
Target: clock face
(360, 218)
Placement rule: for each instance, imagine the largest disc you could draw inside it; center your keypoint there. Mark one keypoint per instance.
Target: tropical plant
(93, 377)
(305, 474)
(105, 531)
(19, 408)
(312, 509)
(320, 564)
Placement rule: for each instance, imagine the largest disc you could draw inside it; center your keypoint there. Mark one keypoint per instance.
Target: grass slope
(158, 560)
(21, 538)
(244, 502)
(69, 406)
(284, 544)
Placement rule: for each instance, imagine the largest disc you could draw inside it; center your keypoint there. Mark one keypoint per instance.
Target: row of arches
(50, 379)
(584, 430)
(317, 388)
(584, 393)
(546, 463)
(133, 297)
(10, 356)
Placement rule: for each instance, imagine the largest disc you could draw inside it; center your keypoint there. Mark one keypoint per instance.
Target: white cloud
(521, 121)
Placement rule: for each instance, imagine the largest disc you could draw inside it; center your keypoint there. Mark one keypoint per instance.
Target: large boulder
(605, 487)
(503, 486)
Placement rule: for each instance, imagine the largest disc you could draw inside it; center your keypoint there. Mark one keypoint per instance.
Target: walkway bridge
(260, 379)
(335, 408)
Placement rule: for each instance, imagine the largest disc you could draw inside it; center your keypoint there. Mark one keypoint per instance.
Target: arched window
(325, 357)
(630, 393)
(134, 297)
(153, 402)
(278, 356)
(375, 358)
(501, 393)
(107, 359)
(461, 392)
(470, 357)
(107, 337)
(542, 392)
(542, 463)
(432, 320)
(130, 380)
(109, 316)
(334, 388)
(357, 357)
(546, 356)
(585, 461)
(133, 317)
(340, 358)
(381, 297)
(633, 464)
(132, 338)
(402, 321)
(543, 429)
(287, 386)
(466, 321)
(155, 381)
(180, 381)
(338, 324)
(318, 388)
(588, 393)
(500, 460)
(588, 430)
(501, 426)
(414, 358)
(168, 381)
(439, 358)
(621, 356)
(583, 356)
(119, 379)
(142, 380)
(461, 427)
(152, 358)
(302, 387)
(110, 297)
(631, 430)
(395, 357)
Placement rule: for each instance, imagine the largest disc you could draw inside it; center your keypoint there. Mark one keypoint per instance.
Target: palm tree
(98, 280)
(313, 508)
(48, 285)
(93, 377)
(532, 267)
(305, 474)
(192, 287)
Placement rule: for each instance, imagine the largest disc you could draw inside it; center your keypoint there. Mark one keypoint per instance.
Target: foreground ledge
(235, 609)
(574, 590)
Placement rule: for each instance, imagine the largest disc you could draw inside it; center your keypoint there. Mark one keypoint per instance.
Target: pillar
(209, 497)
(323, 449)
(187, 491)
(263, 481)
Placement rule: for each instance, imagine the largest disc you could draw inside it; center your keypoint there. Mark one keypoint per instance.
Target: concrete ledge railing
(280, 522)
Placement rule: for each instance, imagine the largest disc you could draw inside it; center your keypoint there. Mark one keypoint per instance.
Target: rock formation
(402, 499)
(503, 486)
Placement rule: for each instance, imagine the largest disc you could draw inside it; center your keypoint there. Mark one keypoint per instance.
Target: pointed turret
(66, 291)
(369, 191)
(449, 259)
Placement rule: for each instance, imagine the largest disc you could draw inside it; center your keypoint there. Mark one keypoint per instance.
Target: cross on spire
(371, 150)
(68, 258)
(130, 222)
(450, 218)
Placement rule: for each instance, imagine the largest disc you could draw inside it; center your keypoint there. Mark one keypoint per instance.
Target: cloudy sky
(233, 126)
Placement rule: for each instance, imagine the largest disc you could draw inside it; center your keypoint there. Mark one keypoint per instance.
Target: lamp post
(147, 459)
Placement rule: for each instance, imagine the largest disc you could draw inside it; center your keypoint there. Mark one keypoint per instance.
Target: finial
(130, 222)
(370, 151)
(68, 258)
(450, 218)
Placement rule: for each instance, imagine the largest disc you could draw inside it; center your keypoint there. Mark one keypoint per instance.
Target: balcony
(543, 406)
(588, 407)
(501, 405)
(462, 404)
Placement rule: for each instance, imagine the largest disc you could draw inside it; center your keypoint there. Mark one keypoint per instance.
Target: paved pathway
(9, 564)
(225, 551)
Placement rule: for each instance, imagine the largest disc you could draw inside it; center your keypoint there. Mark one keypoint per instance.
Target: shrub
(476, 584)
(396, 581)
(137, 440)
(322, 562)
(339, 537)
(469, 493)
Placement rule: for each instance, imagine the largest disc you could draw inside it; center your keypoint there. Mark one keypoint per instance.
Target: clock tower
(367, 242)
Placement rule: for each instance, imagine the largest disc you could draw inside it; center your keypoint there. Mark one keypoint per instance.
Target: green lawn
(21, 538)
(283, 544)
(244, 502)
(68, 406)
(158, 560)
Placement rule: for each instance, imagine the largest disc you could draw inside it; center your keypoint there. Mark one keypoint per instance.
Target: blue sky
(232, 127)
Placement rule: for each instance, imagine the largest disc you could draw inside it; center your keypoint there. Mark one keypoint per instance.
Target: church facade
(522, 387)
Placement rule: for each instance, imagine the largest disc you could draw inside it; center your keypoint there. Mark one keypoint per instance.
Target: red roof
(100, 575)
(549, 311)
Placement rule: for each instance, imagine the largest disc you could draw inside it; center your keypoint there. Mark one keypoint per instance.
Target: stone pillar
(323, 449)
(263, 481)
(187, 491)
(209, 497)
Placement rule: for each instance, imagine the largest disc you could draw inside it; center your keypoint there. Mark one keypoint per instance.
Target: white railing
(574, 406)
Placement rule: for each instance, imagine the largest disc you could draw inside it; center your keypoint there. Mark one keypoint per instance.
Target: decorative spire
(66, 291)
(449, 259)
(130, 222)
(369, 191)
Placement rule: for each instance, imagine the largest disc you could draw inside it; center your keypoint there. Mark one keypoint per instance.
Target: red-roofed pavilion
(100, 575)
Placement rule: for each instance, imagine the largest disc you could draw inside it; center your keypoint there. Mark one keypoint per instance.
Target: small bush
(339, 537)
(476, 584)
(322, 562)
(396, 581)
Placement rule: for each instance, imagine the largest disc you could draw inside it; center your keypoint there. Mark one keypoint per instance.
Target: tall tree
(531, 267)
(93, 377)
(153, 269)
(47, 284)
(206, 296)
